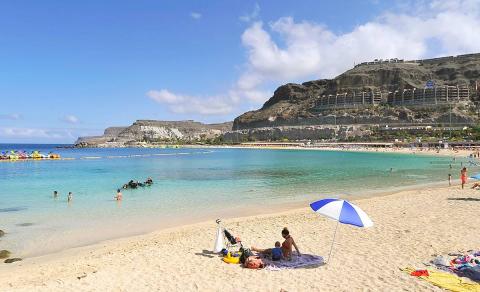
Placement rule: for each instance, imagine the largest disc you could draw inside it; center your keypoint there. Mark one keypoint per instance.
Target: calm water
(190, 184)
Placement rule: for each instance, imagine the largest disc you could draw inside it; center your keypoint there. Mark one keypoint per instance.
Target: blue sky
(70, 68)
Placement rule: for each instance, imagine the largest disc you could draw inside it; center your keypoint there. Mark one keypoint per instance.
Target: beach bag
(246, 252)
(254, 262)
(219, 244)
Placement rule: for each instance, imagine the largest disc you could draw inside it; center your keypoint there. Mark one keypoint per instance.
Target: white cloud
(287, 50)
(70, 119)
(31, 133)
(44, 134)
(195, 15)
(183, 104)
(252, 15)
(14, 116)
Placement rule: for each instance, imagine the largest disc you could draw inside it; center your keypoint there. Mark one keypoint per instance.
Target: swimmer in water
(119, 195)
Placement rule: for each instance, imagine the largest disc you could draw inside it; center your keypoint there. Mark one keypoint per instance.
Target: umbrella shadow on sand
(464, 199)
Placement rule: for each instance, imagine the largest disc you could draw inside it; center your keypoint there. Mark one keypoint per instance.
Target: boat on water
(14, 155)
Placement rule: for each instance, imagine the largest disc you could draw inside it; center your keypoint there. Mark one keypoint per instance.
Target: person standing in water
(119, 195)
(55, 194)
(69, 197)
(463, 176)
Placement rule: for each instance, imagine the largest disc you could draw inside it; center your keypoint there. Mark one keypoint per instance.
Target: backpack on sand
(246, 252)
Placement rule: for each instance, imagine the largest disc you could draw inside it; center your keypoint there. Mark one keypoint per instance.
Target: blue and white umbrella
(343, 212)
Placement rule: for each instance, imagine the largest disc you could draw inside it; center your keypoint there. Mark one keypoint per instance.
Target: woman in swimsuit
(288, 243)
(463, 176)
(286, 246)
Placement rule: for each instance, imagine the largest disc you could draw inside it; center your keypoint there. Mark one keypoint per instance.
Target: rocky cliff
(295, 104)
(150, 131)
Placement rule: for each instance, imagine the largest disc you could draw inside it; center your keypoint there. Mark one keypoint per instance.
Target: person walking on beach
(449, 179)
(119, 195)
(70, 197)
(463, 176)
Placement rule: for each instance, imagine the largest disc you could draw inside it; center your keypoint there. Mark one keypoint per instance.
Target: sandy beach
(411, 227)
(449, 152)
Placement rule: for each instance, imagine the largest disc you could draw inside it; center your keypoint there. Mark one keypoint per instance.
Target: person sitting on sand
(119, 195)
(476, 186)
(277, 253)
(286, 246)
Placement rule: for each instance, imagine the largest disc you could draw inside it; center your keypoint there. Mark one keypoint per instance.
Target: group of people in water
(69, 196)
(135, 184)
(119, 196)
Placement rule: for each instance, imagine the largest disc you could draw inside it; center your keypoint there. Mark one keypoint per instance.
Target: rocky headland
(148, 132)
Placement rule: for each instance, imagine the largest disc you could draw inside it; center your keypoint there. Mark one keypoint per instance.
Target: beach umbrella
(343, 212)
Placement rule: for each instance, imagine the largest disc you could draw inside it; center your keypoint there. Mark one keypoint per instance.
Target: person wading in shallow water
(463, 176)
(119, 195)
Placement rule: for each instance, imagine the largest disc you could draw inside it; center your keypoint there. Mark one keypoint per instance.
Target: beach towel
(447, 281)
(470, 272)
(464, 265)
(304, 261)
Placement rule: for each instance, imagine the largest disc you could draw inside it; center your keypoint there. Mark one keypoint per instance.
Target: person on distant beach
(119, 195)
(286, 246)
(55, 194)
(463, 176)
(449, 179)
(69, 197)
(391, 169)
(475, 186)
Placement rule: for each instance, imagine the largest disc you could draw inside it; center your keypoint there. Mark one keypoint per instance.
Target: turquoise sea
(189, 185)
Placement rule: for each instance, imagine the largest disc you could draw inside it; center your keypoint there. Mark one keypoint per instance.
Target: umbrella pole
(331, 247)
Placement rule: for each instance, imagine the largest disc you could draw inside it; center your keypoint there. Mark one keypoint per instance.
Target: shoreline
(187, 241)
(274, 210)
(243, 212)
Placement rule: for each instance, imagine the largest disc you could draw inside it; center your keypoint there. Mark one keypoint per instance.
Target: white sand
(410, 228)
(457, 153)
